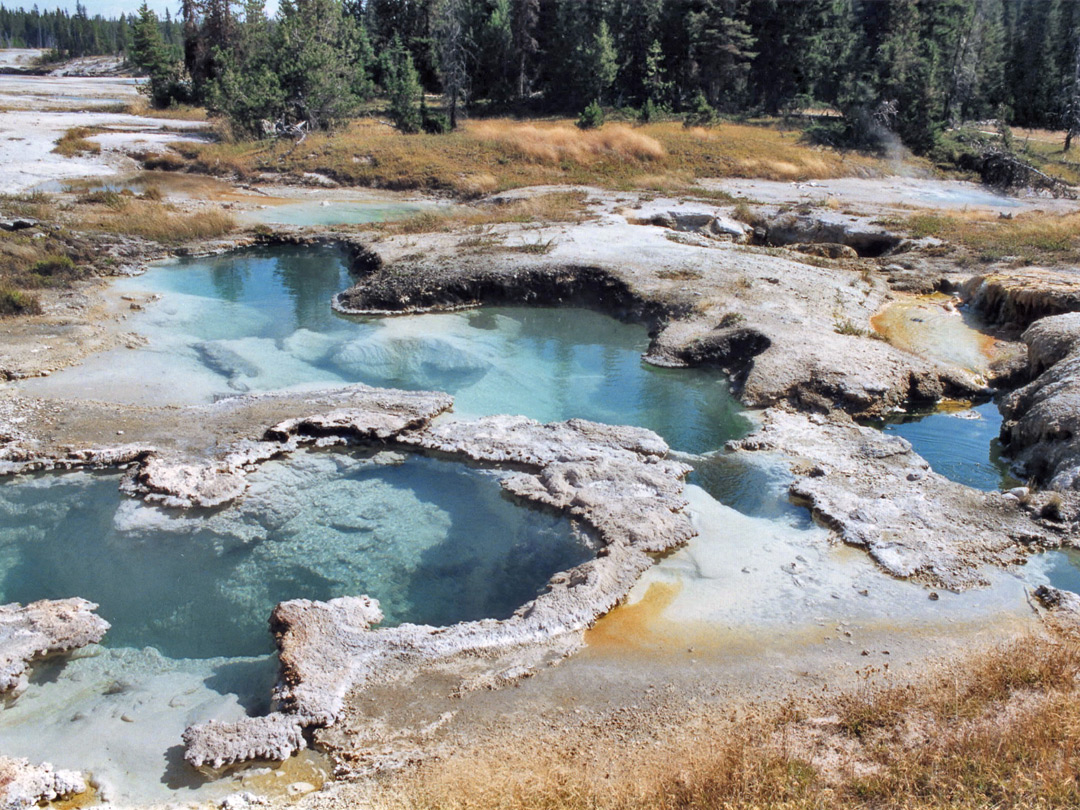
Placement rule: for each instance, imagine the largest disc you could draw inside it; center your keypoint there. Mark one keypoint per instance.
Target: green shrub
(433, 123)
(592, 117)
(55, 265)
(701, 113)
(17, 302)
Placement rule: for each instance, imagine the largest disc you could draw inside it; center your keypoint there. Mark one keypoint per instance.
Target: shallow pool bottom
(435, 542)
(260, 320)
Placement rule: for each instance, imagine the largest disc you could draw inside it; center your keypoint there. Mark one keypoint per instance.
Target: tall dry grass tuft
(559, 206)
(558, 142)
(155, 221)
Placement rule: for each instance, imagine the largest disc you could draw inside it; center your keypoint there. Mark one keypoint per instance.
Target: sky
(112, 8)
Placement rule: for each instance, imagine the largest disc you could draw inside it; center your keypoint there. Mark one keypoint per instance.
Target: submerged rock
(43, 628)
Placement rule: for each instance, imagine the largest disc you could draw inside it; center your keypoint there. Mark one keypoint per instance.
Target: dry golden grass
(73, 142)
(559, 206)
(999, 730)
(1031, 237)
(499, 154)
(155, 221)
(554, 143)
(180, 112)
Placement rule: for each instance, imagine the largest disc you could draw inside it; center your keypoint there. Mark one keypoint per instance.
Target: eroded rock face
(615, 480)
(1021, 297)
(709, 305)
(1042, 419)
(373, 413)
(23, 785)
(828, 228)
(43, 628)
(878, 494)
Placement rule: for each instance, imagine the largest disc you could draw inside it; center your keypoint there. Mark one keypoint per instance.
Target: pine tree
(402, 85)
(248, 90)
(600, 64)
(314, 67)
(722, 44)
(655, 86)
(452, 36)
(525, 17)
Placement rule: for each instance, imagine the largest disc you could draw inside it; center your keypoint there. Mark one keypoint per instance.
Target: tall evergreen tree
(722, 43)
(315, 71)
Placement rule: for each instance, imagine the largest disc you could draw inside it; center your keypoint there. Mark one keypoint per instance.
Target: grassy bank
(499, 154)
(999, 730)
(71, 242)
(1030, 238)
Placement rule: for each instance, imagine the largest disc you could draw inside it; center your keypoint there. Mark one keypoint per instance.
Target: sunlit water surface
(260, 320)
(189, 594)
(435, 542)
(962, 445)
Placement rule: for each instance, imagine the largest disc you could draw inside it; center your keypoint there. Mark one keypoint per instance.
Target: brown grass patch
(156, 221)
(73, 142)
(999, 730)
(1032, 236)
(500, 154)
(558, 142)
(180, 112)
(560, 206)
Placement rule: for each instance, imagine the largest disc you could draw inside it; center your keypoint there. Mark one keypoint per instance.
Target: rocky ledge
(1042, 419)
(876, 493)
(23, 786)
(40, 629)
(789, 328)
(616, 481)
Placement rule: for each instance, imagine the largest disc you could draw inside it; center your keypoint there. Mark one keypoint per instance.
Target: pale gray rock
(878, 494)
(1042, 419)
(373, 414)
(858, 233)
(616, 481)
(216, 744)
(24, 786)
(43, 628)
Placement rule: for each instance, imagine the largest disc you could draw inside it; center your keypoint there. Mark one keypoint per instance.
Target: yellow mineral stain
(88, 798)
(305, 768)
(640, 624)
(930, 326)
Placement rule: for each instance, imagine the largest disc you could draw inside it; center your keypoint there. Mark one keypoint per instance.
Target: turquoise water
(260, 320)
(963, 445)
(436, 542)
(332, 213)
(1063, 569)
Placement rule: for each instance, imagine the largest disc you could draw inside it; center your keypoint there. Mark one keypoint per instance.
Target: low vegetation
(74, 142)
(499, 154)
(560, 206)
(156, 221)
(998, 730)
(66, 244)
(1032, 237)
